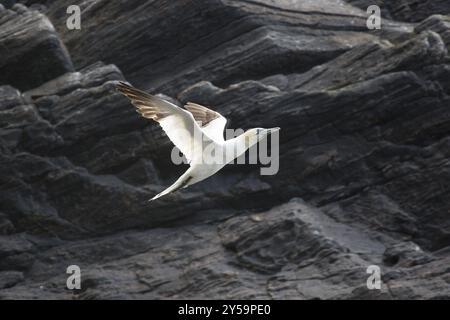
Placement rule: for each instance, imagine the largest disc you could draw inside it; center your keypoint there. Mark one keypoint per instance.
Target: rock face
(364, 151)
(27, 40)
(406, 10)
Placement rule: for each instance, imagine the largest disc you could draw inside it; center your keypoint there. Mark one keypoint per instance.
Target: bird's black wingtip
(122, 85)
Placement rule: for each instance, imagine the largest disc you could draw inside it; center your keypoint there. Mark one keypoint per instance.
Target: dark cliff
(364, 150)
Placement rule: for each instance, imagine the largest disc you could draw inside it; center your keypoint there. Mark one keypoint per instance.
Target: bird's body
(197, 131)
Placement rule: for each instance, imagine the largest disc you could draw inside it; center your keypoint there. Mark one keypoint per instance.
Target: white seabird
(192, 130)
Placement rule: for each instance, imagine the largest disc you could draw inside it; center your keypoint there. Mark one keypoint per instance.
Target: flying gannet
(192, 130)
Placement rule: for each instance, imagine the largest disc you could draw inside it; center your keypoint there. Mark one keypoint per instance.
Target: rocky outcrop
(164, 51)
(406, 10)
(439, 24)
(364, 165)
(28, 38)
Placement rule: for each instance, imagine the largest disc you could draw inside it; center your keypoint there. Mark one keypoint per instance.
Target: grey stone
(28, 39)
(364, 152)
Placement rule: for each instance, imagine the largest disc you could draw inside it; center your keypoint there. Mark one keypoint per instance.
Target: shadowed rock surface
(364, 168)
(27, 39)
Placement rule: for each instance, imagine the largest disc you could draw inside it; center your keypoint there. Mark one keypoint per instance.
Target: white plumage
(192, 130)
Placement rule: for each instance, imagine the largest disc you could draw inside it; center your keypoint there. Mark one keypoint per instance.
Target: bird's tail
(180, 183)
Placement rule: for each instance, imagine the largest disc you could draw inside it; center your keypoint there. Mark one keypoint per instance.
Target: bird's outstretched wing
(212, 122)
(178, 124)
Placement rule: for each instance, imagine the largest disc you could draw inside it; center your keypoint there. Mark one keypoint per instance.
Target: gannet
(192, 130)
